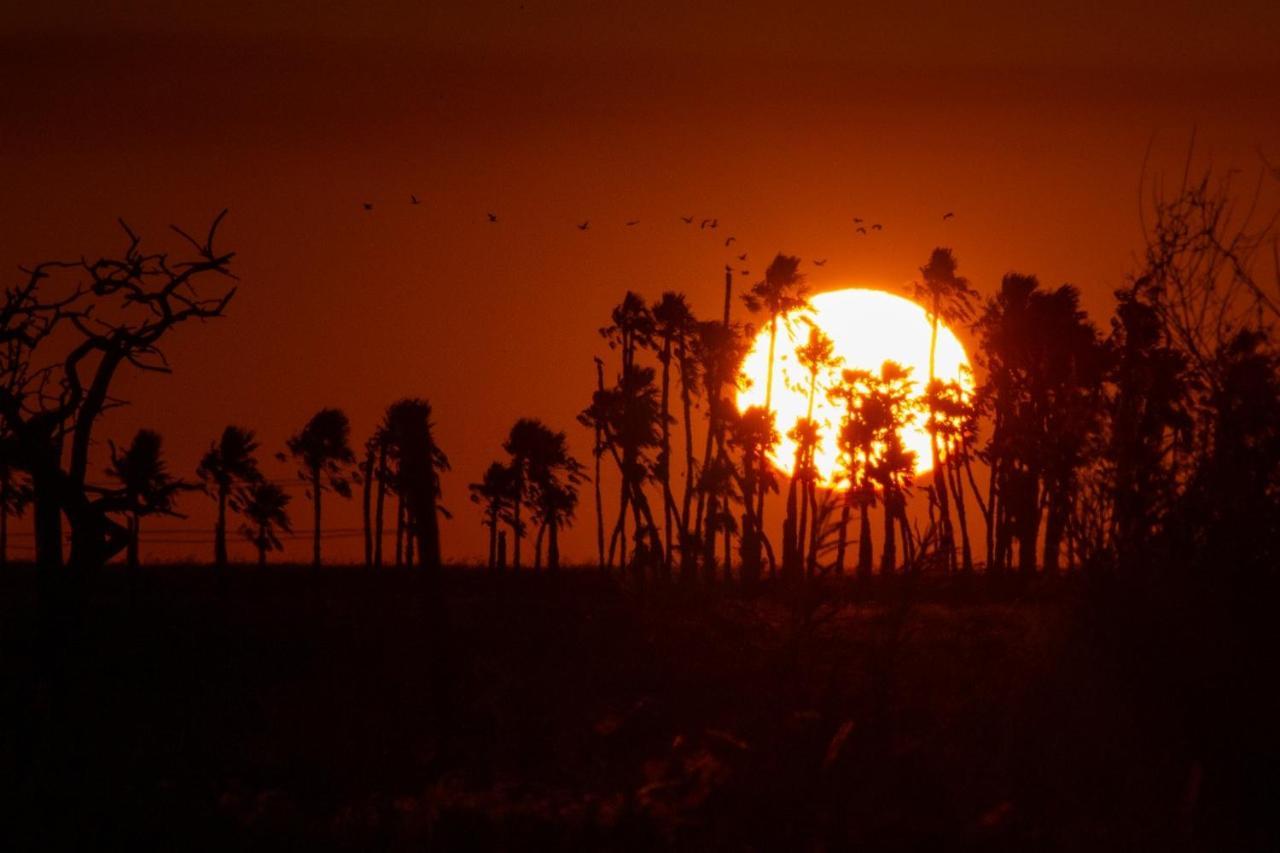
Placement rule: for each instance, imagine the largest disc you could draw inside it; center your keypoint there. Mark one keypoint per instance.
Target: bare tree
(61, 348)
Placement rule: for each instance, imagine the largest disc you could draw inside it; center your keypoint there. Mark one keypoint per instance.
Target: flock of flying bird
(711, 223)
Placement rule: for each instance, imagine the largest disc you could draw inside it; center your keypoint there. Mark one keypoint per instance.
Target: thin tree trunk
(516, 529)
(410, 535)
(315, 534)
(366, 507)
(382, 494)
(686, 403)
(952, 466)
(537, 547)
(864, 539)
(220, 530)
(132, 556)
(889, 553)
(399, 530)
(842, 537)
(599, 451)
(946, 539)
(668, 500)
(553, 546)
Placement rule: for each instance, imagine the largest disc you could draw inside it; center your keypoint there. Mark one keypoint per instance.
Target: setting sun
(867, 327)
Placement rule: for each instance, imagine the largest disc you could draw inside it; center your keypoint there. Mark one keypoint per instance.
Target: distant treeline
(1154, 439)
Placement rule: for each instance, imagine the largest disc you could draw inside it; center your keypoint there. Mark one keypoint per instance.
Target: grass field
(344, 709)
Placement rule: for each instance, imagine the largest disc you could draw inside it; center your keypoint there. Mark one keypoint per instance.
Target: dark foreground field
(350, 710)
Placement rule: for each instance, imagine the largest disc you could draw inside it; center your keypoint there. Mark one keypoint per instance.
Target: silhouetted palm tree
(1045, 369)
(817, 357)
(410, 436)
(146, 487)
(545, 477)
(781, 293)
(674, 323)
(888, 409)
(323, 448)
(554, 503)
(228, 464)
(265, 508)
(496, 493)
(753, 435)
(856, 439)
(718, 349)
(947, 297)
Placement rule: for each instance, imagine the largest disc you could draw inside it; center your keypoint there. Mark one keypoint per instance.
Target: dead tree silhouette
(15, 495)
(64, 346)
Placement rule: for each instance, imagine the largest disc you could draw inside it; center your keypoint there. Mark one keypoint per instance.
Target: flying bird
(857, 220)
(729, 241)
(819, 262)
(745, 272)
(631, 222)
(584, 225)
(877, 227)
(687, 220)
(742, 257)
(368, 205)
(413, 199)
(948, 215)
(704, 223)
(862, 230)
(493, 217)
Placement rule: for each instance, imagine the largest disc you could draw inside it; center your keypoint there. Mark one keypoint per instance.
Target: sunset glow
(868, 327)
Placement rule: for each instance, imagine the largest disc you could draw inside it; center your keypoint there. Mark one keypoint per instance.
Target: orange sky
(1031, 124)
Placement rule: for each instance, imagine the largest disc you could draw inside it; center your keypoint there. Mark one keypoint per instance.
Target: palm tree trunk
(686, 403)
(399, 530)
(537, 547)
(382, 494)
(889, 553)
(493, 539)
(133, 542)
(516, 530)
(315, 534)
(946, 539)
(864, 539)
(262, 547)
(220, 530)
(842, 537)
(599, 451)
(553, 546)
(668, 502)
(366, 507)
(410, 535)
(763, 461)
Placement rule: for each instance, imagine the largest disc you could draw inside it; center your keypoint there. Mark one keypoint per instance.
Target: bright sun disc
(868, 328)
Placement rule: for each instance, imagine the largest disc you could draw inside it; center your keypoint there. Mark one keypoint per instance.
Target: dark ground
(352, 710)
